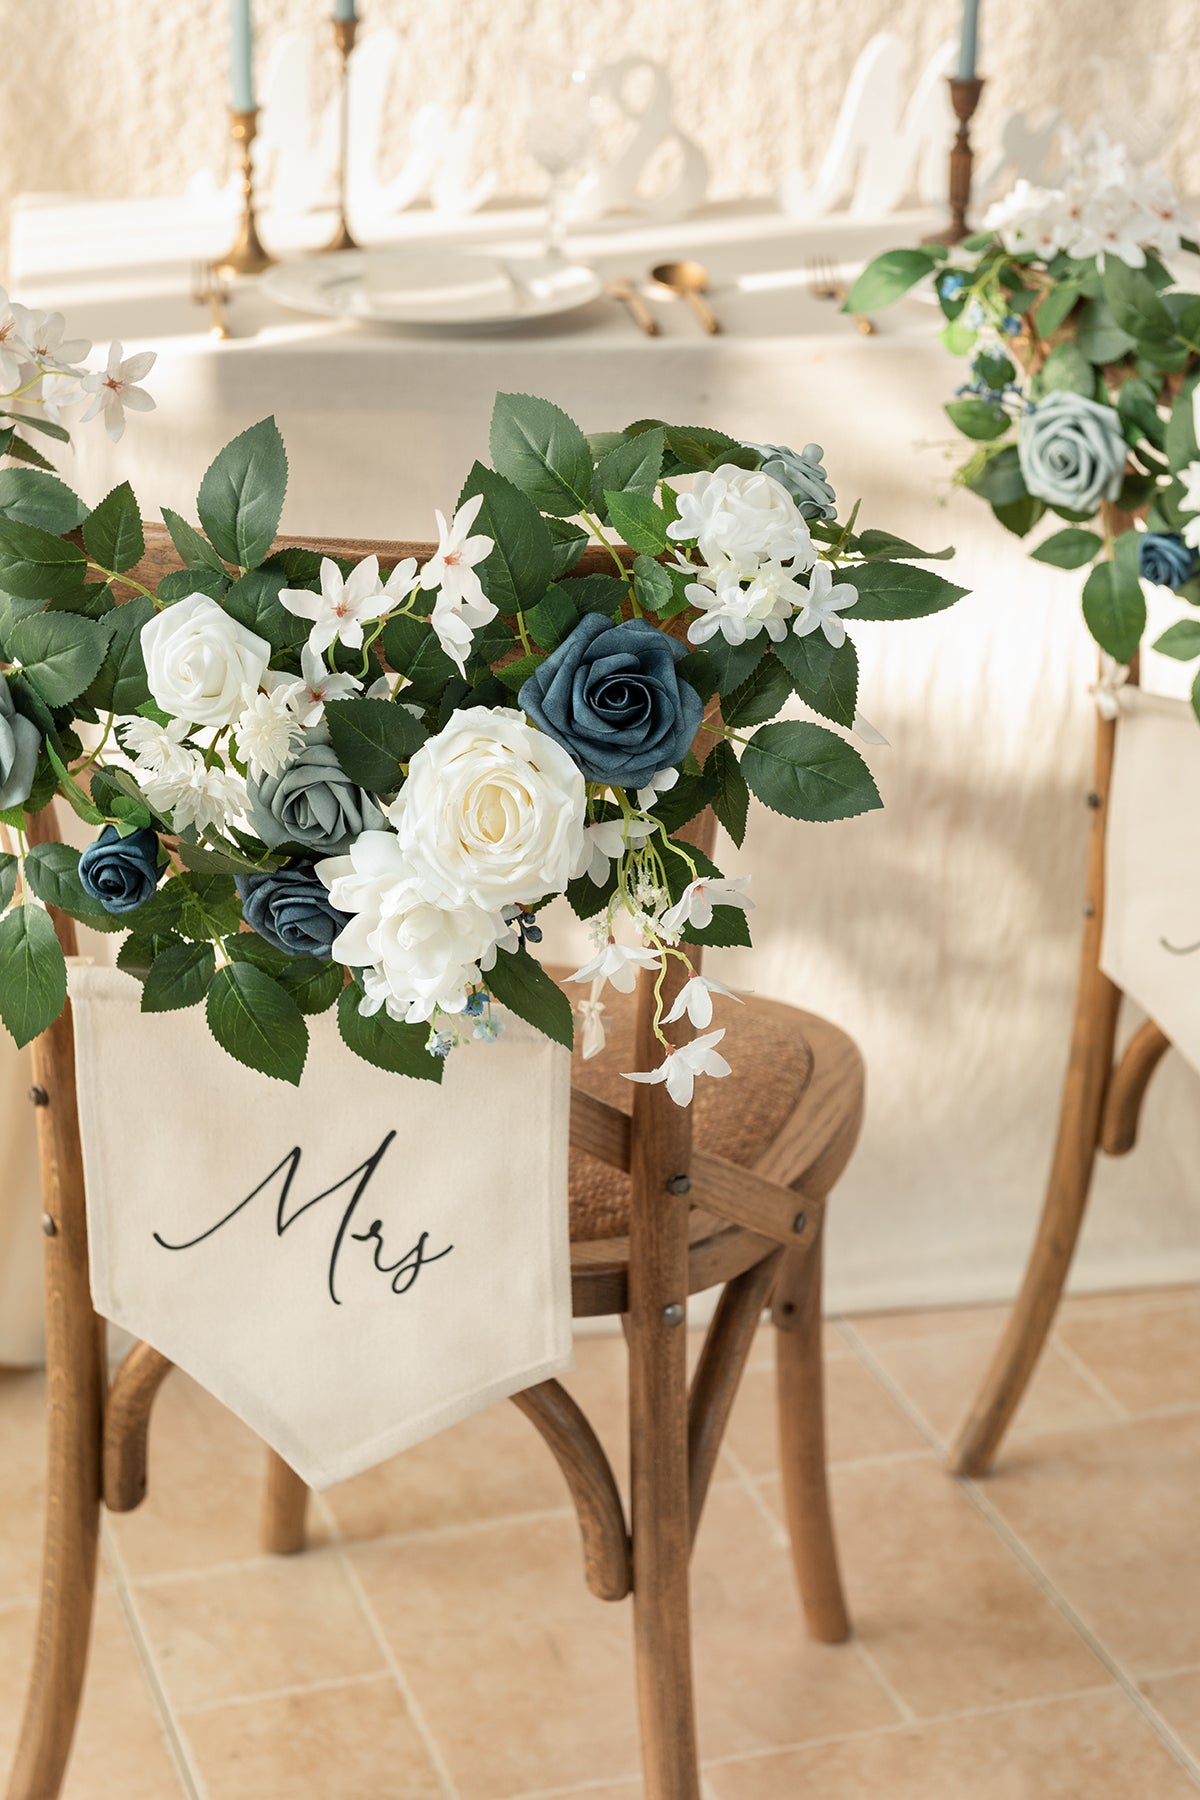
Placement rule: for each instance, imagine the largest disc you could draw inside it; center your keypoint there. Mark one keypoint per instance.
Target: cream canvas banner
(1151, 946)
(350, 1265)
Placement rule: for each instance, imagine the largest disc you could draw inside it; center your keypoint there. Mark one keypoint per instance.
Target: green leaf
(60, 652)
(731, 663)
(690, 448)
(1054, 310)
(1114, 608)
(1137, 403)
(33, 972)
(412, 649)
(887, 277)
(731, 801)
(9, 865)
(517, 981)
(1099, 336)
(120, 685)
(595, 593)
(253, 1018)
(192, 905)
(1069, 549)
(979, 419)
(1020, 516)
(47, 427)
(875, 545)
(806, 772)
(1180, 437)
(34, 564)
(514, 675)
(1068, 368)
(178, 977)
(552, 620)
(690, 795)
(136, 955)
(181, 584)
(112, 532)
(1181, 640)
(1196, 696)
(52, 871)
(652, 585)
(895, 590)
(1000, 481)
(35, 498)
(196, 551)
(633, 466)
(568, 544)
(642, 524)
(241, 495)
(542, 451)
(825, 678)
(254, 602)
(517, 572)
(1134, 304)
(23, 452)
(314, 985)
(759, 697)
(371, 738)
(386, 1042)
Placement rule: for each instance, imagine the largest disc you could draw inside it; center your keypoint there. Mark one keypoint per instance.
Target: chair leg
(800, 1386)
(285, 1508)
(74, 1412)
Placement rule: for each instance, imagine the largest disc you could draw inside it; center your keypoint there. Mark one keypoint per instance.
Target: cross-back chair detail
(696, 1218)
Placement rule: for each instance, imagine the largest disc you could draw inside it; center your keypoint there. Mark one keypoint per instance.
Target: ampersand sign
(656, 171)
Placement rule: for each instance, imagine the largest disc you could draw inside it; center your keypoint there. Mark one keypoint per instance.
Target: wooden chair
(1099, 1110)
(654, 1218)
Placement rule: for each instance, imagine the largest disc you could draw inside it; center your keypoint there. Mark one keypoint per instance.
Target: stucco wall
(127, 96)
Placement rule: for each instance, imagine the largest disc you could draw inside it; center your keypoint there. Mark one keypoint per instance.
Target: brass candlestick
(344, 33)
(964, 96)
(247, 256)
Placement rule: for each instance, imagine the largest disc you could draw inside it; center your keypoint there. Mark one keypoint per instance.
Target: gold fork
(824, 283)
(209, 290)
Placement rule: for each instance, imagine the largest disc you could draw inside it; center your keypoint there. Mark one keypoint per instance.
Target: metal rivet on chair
(48, 1225)
(679, 1184)
(39, 1096)
(673, 1314)
(799, 1222)
(1094, 801)
(1089, 911)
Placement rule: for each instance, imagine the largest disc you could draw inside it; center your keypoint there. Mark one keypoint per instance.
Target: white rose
(492, 812)
(419, 958)
(200, 663)
(741, 517)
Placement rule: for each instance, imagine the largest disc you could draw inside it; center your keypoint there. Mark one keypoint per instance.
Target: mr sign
(350, 1265)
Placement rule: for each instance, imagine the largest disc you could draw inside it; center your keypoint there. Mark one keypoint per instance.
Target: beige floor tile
(22, 1475)
(1096, 1747)
(1111, 1517)
(491, 1466)
(120, 1750)
(257, 1628)
(345, 1743)
(938, 1601)
(762, 1354)
(938, 1321)
(1147, 1355)
(1177, 1698)
(940, 1376)
(862, 1419)
(205, 1487)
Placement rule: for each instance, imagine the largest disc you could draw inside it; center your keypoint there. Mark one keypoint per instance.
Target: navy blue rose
(1164, 558)
(290, 908)
(611, 696)
(121, 872)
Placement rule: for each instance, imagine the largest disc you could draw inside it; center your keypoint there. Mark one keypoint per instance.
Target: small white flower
(867, 733)
(725, 606)
(695, 904)
(680, 1068)
(461, 606)
(115, 388)
(345, 603)
(1105, 691)
(591, 1019)
(824, 601)
(156, 749)
(14, 351)
(316, 685)
(42, 332)
(740, 518)
(662, 783)
(197, 797)
(606, 841)
(617, 964)
(268, 732)
(695, 999)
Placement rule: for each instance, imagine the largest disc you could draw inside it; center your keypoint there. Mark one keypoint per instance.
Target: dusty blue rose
(20, 741)
(1071, 451)
(802, 473)
(312, 802)
(292, 910)
(610, 695)
(1164, 558)
(121, 872)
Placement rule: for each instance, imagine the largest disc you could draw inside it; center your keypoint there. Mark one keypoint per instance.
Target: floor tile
(1095, 1747)
(344, 1743)
(1110, 1516)
(1146, 1355)
(944, 1608)
(22, 1479)
(491, 1466)
(120, 1751)
(762, 1353)
(253, 1629)
(1177, 1698)
(938, 1321)
(861, 1418)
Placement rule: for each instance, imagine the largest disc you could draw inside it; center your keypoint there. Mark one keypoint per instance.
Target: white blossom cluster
(40, 367)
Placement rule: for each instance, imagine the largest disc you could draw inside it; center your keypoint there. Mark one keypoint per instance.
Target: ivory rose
(200, 663)
(492, 812)
(741, 517)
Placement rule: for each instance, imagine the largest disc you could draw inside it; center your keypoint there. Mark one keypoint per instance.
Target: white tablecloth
(941, 932)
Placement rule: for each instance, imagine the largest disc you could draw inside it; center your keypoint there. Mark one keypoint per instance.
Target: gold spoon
(688, 280)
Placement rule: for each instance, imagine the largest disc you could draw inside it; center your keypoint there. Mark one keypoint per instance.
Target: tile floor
(1033, 1637)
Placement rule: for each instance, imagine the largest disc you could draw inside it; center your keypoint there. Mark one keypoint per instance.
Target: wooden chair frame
(696, 1220)
(1100, 1109)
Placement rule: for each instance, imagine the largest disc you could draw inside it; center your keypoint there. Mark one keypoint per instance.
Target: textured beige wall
(127, 96)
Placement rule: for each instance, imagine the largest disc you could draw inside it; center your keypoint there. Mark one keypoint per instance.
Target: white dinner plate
(455, 289)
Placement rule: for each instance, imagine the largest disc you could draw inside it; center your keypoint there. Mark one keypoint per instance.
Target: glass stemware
(560, 124)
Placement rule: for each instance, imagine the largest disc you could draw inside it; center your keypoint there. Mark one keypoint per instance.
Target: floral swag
(321, 785)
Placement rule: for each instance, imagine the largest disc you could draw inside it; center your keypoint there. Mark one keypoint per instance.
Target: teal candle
(241, 56)
(345, 9)
(970, 45)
